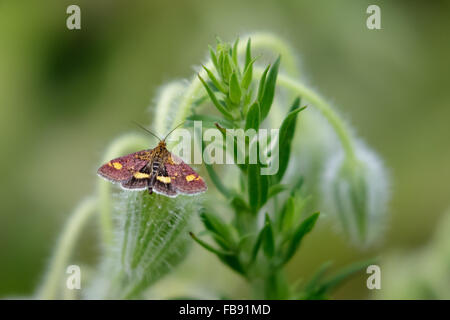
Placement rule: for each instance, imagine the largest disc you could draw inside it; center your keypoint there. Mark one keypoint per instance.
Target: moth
(156, 170)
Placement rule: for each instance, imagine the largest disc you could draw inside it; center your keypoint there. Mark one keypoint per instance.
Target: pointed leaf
(342, 275)
(214, 224)
(287, 215)
(235, 52)
(269, 89)
(275, 189)
(248, 75)
(286, 135)
(264, 188)
(321, 290)
(257, 245)
(209, 168)
(239, 204)
(224, 132)
(208, 247)
(227, 66)
(214, 100)
(315, 280)
(228, 258)
(248, 53)
(268, 238)
(214, 80)
(235, 89)
(262, 83)
(253, 117)
(213, 56)
(304, 228)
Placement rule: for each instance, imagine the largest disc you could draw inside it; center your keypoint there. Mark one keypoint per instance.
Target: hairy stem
(126, 143)
(275, 44)
(325, 108)
(66, 243)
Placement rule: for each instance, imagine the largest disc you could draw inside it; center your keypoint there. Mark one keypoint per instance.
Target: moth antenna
(173, 130)
(145, 129)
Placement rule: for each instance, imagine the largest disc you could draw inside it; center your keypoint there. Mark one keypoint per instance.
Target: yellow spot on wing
(190, 177)
(163, 179)
(117, 165)
(141, 175)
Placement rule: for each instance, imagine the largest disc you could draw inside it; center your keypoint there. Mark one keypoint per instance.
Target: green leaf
(248, 53)
(239, 204)
(220, 66)
(275, 189)
(298, 185)
(227, 66)
(258, 187)
(221, 254)
(287, 215)
(213, 58)
(209, 168)
(285, 138)
(262, 83)
(214, 224)
(257, 245)
(224, 132)
(253, 117)
(248, 75)
(217, 181)
(269, 89)
(214, 100)
(235, 89)
(321, 290)
(337, 279)
(295, 105)
(235, 52)
(214, 80)
(268, 238)
(313, 284)
(304, 228)
(264, 188)
(233, 262)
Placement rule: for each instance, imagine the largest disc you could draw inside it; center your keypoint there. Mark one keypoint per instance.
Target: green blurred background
(65, 94)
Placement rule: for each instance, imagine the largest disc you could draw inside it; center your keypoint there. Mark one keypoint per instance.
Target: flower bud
(151, 238)
(356, 191)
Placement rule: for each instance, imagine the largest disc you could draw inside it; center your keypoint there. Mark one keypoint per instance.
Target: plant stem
(163, 107)
(272, 286)
(327, 111)
(66, 243)
(275, 44)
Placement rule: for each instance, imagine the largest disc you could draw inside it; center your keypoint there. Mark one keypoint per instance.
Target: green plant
(264, 217)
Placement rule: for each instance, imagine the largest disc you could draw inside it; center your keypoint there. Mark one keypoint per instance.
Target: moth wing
(135, 184)
(183, 178)
(122, 169)
(166, 189)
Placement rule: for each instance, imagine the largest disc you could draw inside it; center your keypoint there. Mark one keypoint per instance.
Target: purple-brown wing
(167, 189)
(122, 169)
(183, 178)
(135, 184)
